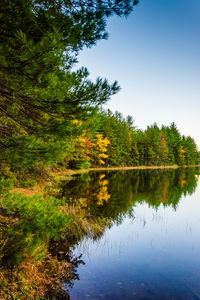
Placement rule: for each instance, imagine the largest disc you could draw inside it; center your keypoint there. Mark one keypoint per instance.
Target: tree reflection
(112, 194)
(38, 234)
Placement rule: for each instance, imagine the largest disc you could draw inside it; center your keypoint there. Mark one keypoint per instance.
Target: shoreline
(68, 174)
(141, 168)
(71, 172)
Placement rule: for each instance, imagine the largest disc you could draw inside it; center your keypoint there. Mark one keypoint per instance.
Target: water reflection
(150, 249)
(113, 194)
(130, 226)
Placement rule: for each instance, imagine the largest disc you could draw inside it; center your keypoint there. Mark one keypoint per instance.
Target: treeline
(106, 139)
(109, 139)
(50, 113)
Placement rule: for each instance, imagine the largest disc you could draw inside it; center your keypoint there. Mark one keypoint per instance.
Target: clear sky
(154, 54)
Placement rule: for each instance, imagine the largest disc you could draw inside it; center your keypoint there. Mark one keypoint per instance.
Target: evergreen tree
(41, 95)
(190, 151)
(39, 92)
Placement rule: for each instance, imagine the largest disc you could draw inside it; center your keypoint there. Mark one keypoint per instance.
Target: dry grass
(31, 191)
(137, 168)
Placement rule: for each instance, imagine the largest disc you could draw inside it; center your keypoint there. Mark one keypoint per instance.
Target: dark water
(150, 247)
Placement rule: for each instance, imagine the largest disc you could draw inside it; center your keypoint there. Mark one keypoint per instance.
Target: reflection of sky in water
(155, 255)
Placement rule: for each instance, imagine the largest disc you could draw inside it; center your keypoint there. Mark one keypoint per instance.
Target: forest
(51, 115)
(109, 139)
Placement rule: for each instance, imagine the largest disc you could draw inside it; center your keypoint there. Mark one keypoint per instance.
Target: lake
(149, 247)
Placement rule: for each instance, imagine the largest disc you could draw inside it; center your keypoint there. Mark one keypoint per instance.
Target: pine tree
(39, 92)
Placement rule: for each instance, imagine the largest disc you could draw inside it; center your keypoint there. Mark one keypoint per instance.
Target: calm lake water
(150, 248)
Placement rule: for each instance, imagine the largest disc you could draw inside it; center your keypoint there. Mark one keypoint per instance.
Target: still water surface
(151, 247)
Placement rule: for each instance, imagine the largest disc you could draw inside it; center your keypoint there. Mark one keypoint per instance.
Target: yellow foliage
(104, 182)
(102, 162)
(81, 140)
(103, 155)
(182, 150)
(103, 194)
(101, 148)
(77, 122)
(182, 183)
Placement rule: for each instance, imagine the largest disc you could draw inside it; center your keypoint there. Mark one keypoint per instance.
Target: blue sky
(154, 54)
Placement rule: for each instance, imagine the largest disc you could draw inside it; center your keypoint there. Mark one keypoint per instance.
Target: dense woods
(40, 94)
(109, 139)
(51, 114)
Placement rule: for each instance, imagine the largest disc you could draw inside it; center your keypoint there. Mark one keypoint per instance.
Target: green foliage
(39, 92)
(39, 221)
(123, 149)
(27, 151)
(43, 214)
(6, 184)
(84, 165)
(129, 146)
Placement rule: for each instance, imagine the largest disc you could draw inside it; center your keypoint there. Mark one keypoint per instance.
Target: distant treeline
(108, 139)
(111, 140)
